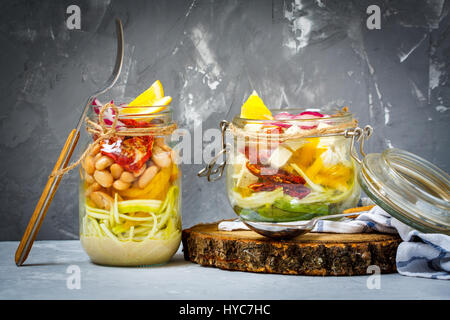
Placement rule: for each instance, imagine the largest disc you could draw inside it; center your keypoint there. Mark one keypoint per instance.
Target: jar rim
(339, 116)
(163, 113)
(333, 125)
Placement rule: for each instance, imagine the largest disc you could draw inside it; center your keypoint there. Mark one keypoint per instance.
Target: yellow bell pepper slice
(159, 183)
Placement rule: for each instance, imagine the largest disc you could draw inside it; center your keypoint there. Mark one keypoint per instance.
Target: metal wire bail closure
(210, 171)
(359, 135)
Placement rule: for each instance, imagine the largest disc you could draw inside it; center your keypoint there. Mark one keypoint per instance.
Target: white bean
(120, 185)
(104, 178)
(103, 162)
(127, 177)
(141, 171)
(147, 176)
(101, 200)
(116, 170)
(89, 165)
(160, 157)
(89, 179)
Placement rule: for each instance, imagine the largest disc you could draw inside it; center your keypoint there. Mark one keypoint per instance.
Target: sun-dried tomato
(263, 186)
(130, 153)
(279, 176)
(133, 123)
(254, 168)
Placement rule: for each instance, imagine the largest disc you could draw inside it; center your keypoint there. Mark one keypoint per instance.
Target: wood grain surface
(310, 254)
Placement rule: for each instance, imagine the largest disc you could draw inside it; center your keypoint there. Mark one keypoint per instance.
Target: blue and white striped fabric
(423, 255)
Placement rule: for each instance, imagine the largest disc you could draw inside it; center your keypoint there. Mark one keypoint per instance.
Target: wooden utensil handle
(46, 198)
(357, 210)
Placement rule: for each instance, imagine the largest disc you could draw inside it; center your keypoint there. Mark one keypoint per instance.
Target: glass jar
(290, 169)
(130, 205)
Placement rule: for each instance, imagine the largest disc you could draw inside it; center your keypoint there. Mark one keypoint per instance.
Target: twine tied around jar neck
(329, 130)
(103, 131)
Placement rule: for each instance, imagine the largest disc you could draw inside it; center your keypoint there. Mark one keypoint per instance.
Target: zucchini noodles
(134, 220)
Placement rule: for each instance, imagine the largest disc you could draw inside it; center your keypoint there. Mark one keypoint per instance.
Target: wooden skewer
(45, 199)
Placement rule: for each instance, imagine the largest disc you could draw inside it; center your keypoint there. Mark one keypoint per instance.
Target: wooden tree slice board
(310, 254)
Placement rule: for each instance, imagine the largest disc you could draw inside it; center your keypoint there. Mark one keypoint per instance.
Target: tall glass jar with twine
(130, 187)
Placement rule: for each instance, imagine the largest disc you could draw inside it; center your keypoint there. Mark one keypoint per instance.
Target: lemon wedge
(149, 96)
(254, 108)
(151, 100)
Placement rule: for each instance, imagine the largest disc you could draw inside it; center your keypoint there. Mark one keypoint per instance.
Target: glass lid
(409, 188)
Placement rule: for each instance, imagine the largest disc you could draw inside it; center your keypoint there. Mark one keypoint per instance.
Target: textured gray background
(210, 55)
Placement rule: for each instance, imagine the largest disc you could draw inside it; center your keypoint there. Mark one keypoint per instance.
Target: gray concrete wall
(210, 55)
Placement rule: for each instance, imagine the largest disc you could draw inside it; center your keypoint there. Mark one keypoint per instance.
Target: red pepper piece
(130, 153)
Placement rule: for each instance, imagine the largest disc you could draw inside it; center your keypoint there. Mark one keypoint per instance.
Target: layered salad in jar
(303, 170)
(130, 188)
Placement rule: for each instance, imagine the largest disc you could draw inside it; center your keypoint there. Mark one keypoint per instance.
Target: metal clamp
(359, 135)
(210, 171)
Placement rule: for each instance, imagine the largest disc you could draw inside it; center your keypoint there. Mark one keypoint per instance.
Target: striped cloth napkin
(425, 255)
